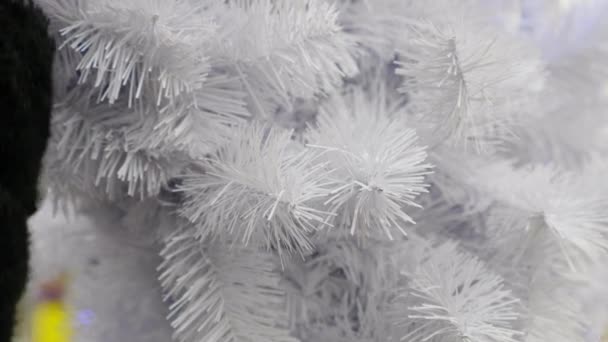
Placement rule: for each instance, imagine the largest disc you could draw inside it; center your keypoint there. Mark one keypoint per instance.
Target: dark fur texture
(26, 58)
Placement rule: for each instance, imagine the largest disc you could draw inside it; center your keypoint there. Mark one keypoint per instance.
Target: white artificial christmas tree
(336, 170)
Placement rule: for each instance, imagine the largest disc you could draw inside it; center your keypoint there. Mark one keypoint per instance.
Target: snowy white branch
(470, 78)
(133, 43)
(259, 186)
(223, 293)
(379, 165)
(455, 297)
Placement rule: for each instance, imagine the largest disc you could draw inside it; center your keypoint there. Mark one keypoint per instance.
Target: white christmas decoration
(284, 49)
(339, 170)
(574, 213)
(471, 78)
(127, 43)
(258, 189)
(214, 294)
(454, 295)
(379, 165)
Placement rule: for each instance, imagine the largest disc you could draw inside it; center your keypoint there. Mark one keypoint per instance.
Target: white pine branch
(468, 77)
(285, 49)
(379, 166)
(145, 144)
(344, 283)
(555, 315)
(98, 140)
(454, 296)
(257, 187)
(67, 187)
(570, 206)
(222, 293)
(133, 43)
(200, 122)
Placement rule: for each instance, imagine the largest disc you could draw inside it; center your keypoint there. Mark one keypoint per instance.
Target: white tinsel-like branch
(344, 283)
(222, 293)
(379, 165)
(258, 186)
(82, 147)
(144, 145)
(137, 42)
(454, 296)
(285, 49)
(571, 206)
(468, 77)
(553, 311)
(201, 121)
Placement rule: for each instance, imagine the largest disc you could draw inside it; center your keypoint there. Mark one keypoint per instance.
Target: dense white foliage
(344, 170)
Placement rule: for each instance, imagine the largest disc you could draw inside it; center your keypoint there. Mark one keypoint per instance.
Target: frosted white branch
(258, 186)
(571, 206)
(470, 78)
(286, 49)
(454, 296)
(134, 43)
(222, 293)
(379, 165)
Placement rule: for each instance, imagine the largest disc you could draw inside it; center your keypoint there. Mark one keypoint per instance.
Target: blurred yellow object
(51, 322)
(48, 317)
(51, 318)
